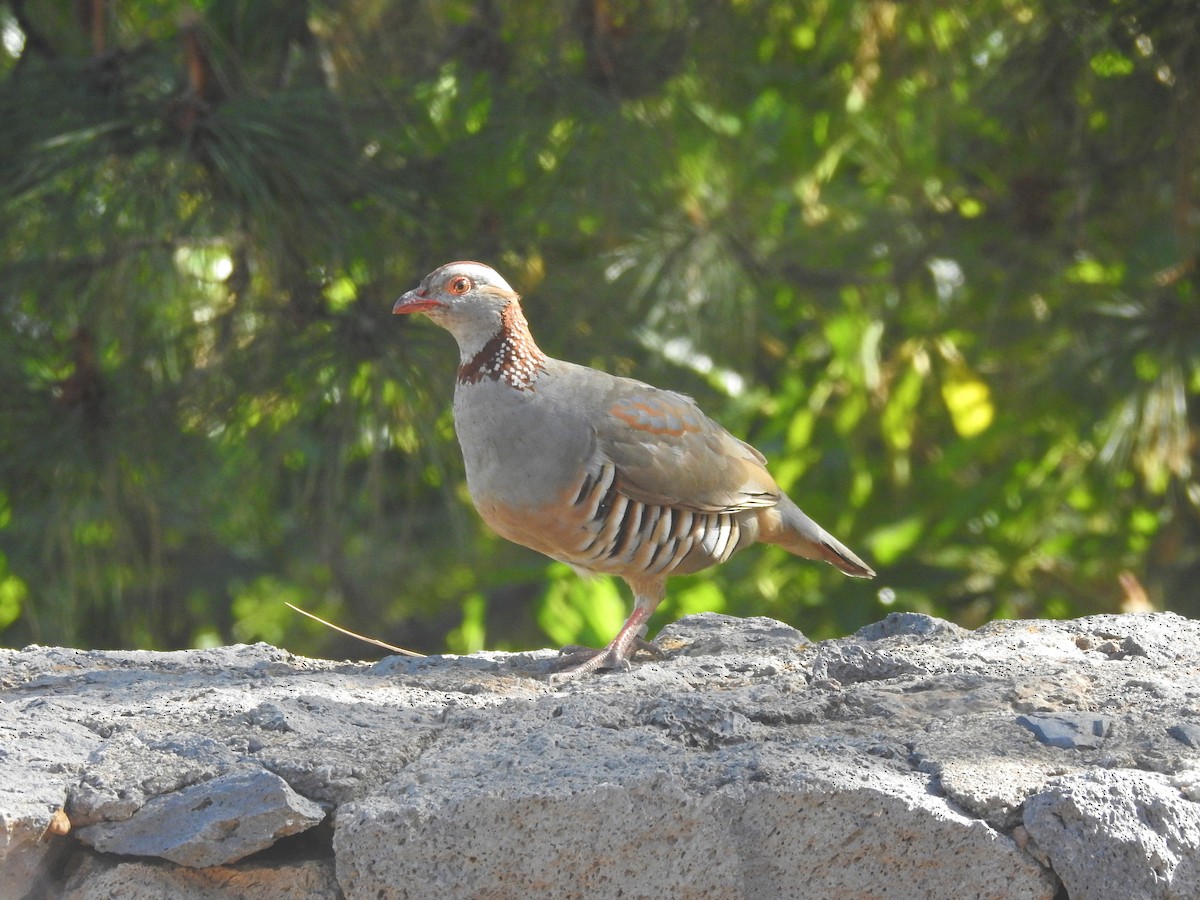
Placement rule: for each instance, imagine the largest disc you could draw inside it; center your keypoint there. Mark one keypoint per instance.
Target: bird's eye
(459, 284)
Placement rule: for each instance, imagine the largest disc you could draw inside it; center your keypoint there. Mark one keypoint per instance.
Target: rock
(43, 746)
(913, 758)
(106, 793)
(535, 816)
(1118, 834)
(1187, 782)
(710, 634)
(912, 624)
(31, 810)
(210, 823)
(1187, 733)
(101, 878)
(1072, 731)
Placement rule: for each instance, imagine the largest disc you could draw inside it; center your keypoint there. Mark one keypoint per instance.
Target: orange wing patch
(655, 416)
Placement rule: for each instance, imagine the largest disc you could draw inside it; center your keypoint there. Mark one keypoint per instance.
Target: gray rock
(43, 746)
(710, 634)
(1187, 733)
(210, 823)
(31, 809)
(745, 762)
(102, 878)
(106, 792)
(1188, 782)
(534, 816)
(840, 834)
(1070, 731)
(1118, 833)
(912, 624)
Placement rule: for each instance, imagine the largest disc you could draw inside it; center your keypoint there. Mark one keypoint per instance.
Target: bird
(605, 473)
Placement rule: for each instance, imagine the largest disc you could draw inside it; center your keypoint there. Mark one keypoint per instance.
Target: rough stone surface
(209, 823)
(1071, 731)
(1118, 833)
(913, 758)
(100, 878)
(31, 802)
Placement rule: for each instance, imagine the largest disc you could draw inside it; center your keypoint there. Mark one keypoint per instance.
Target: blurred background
(937, 261)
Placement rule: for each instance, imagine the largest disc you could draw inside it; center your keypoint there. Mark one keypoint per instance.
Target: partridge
(604, 473)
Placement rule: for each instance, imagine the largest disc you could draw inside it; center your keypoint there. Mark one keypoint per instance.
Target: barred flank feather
(623, 535)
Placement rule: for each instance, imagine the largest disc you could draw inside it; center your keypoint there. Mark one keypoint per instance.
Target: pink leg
(615, 655)
(646, 595)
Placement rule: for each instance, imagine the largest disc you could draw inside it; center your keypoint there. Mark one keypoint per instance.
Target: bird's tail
(797, 533)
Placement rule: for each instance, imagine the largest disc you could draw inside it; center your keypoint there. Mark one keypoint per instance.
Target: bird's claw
(574, 661)
(572, 652)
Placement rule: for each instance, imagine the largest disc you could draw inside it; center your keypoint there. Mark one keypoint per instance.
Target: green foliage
(579, 610)
(938, 262)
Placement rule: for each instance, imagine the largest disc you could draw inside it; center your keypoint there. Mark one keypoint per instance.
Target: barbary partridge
(606, 474)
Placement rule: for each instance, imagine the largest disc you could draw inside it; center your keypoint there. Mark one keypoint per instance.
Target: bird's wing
(667, 452)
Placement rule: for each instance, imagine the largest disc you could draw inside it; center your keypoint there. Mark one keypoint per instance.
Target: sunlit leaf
(891, 542)
(1110, 64)
(898, 418)
(13, 595)
(969, 401)
(587, 611)
(471, 634)
(697, 597)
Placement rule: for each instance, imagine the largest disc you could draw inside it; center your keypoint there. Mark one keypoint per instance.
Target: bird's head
(477, 306)
(471, 301)
(460, 295)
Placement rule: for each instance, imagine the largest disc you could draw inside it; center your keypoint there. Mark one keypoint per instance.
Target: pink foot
(583, 660)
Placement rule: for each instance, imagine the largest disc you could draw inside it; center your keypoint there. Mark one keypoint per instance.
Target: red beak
(413, 302)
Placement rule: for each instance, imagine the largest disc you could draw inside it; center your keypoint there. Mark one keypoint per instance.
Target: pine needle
(360, 637)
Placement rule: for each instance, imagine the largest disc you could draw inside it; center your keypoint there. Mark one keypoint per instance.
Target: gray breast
(520, 448)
